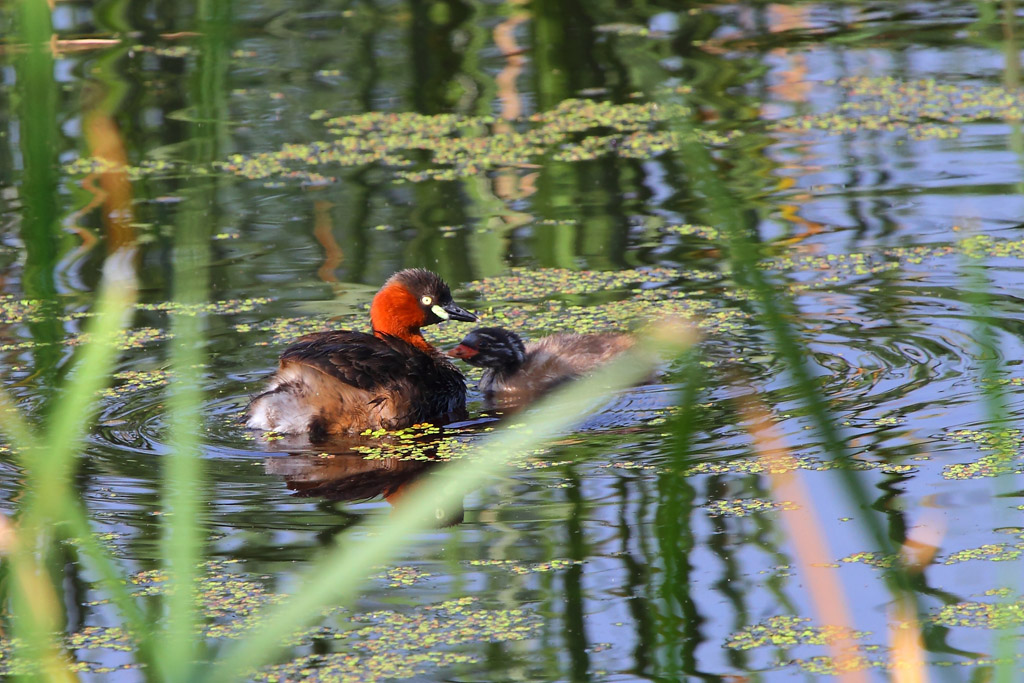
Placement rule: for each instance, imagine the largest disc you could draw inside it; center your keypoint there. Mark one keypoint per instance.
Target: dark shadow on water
(340, 471)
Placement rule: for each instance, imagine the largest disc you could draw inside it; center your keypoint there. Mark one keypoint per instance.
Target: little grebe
(344, 381)
(516, 373)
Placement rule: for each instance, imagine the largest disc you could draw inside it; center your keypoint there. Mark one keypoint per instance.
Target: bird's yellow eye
(426, 301)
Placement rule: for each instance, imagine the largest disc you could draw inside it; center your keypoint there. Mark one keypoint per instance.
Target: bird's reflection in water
(339, 472)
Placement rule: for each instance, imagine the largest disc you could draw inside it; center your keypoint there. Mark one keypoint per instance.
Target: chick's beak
(456, 313)
(462, 351)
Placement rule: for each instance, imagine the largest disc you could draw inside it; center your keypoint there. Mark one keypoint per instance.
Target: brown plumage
(344, 381)
(516, 373)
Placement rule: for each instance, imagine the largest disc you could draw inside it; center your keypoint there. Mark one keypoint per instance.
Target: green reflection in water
(36, 94)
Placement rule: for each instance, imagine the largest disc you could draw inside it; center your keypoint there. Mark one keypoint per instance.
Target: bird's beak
(462, 351)
(452, 312)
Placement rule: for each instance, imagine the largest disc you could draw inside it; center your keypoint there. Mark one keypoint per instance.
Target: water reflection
(351, 477)
(360, 468)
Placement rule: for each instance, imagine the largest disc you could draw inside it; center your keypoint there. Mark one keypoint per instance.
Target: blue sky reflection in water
(524, 151)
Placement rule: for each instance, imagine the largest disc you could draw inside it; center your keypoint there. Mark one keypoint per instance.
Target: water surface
(525, 153)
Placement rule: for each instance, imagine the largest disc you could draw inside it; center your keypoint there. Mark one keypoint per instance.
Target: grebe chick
(345, 381)
(517, 373)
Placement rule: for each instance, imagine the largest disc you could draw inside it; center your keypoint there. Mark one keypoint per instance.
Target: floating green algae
(415, 431)
(353, 668)
(703, 231)
(637, 296)
(632, 464)
(403, 577)
(521, 568)
(96, 166)
(418, 147)
(826, 665)
(788, 631)
(531, 284)
(993, 552)
(872, 559)
(744, 507)
(228, 600)
(1000, 448)
(286, 330)
(460, 145)
(831, 269)
(99, 637)
(621, 315)
(648, 293)
(396, 644)
(223, 307)
(922, 109)
(16, 310)
(132, 381)
(426, 442)
(797, 462)
(977, 614)
(132, 338)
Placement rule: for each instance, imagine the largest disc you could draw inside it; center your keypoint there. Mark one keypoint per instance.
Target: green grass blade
(183, 529)
(77, 406)
(182, 543)
(48, 464)
(337, 576)
(35, 608)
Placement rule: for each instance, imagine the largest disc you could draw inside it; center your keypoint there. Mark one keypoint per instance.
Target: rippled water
(876, 151)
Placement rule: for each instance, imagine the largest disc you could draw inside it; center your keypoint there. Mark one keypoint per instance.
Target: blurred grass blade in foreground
(49, 462)
(804, 528)
(183, 476)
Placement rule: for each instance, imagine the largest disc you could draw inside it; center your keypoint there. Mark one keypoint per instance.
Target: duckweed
(788, 631)
(743, 507)
(976, 614)
(994, 552)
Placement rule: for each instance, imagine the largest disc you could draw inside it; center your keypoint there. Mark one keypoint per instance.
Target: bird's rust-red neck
(396, 312)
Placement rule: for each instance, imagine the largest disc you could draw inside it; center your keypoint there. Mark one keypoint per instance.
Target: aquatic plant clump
(459, 145)
(391, 643)
(399, 645)
(525, 284)
(788, 631)
(421, 442)
(452, 146)
(922, 108)
(520, 568)
(638, 296)
(744, 507)
(132, 381)
(286, 330)
(993, 552)
(801, 462)
(987, 615)
(1000, 453)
